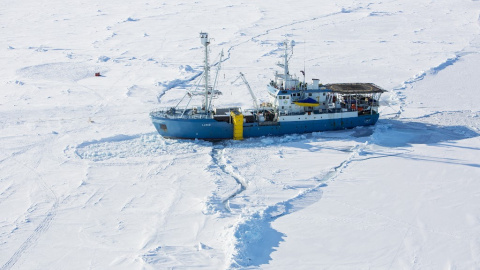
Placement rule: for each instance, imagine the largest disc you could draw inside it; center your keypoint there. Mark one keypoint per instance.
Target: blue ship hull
(210, 129)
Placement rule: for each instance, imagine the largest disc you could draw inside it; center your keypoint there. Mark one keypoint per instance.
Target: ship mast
(286, 65)
(205, 42)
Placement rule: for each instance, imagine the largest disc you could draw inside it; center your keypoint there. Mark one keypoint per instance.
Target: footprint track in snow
(218, 159)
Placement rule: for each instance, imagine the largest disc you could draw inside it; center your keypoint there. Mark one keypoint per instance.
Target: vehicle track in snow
(33, 238)
(42, 226)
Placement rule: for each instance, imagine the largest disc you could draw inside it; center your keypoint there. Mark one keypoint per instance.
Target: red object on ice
(97, 74)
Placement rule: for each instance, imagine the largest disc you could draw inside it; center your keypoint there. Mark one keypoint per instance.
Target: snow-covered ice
(86, 183)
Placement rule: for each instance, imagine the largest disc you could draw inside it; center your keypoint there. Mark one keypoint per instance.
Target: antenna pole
(205, 41)
(286, 65)
(304, 55)
(215, 81)
(287, 75)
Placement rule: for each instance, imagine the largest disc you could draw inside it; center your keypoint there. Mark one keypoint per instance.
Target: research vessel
(294, 107)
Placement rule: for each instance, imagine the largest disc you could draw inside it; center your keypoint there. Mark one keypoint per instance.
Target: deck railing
(179, 114)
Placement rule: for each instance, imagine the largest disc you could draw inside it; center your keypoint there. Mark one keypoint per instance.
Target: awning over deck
(355, 88)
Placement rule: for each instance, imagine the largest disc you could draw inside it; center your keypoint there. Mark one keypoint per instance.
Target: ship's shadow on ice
(398, 133)
(389, 133)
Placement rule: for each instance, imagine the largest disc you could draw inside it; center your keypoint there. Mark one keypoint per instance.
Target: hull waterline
(212, 130)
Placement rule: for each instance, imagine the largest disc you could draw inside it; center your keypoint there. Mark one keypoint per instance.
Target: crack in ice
(255, 237)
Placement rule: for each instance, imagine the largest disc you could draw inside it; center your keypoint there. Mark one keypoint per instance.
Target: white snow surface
(86, 182)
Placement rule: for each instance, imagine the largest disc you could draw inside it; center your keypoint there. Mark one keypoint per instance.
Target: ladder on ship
(237, 119)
